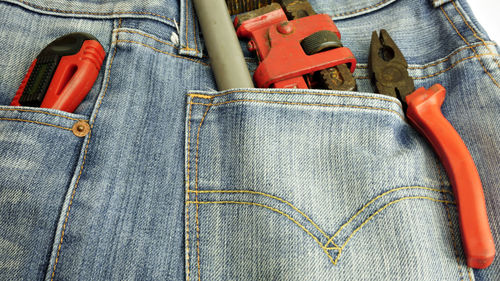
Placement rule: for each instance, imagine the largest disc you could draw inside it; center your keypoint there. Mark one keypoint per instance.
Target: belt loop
(438, 3)
(189, 37)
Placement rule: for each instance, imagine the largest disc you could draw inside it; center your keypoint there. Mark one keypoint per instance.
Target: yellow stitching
(360, 10)
(378, 197)
(187, 191)
(299, 103)
(446, 59)
(441, 71)
(469, 272)
(451, 66)
(188, 149)
(293, 93)
(478, 59)
(296, 209)
(187, 23)
(190, 49)
(381, 209)
(83, 164)
(92, 13)
(187, 242)
(149, 36)
(440, 61)
(454, 27)
(160, 51)
(39, 111)
(194, 33)
(272, 197)
(196, 188)
(270, 208)
(454, 243)
(36, 122)
(308, 232)
(473, 31)
(200, 96)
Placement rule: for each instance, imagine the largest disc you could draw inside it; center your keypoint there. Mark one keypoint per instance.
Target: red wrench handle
(424, 113)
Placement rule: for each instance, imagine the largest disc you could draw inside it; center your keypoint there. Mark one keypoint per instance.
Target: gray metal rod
(224, 50)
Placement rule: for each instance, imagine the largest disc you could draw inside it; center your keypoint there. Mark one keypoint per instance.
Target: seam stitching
(312, 235)
(194, 30)
(187, 48)
(149, 36)
(292, 93)
(36, 122)
(43, 112)
(380, 210)
(448, 57)
(375, 199)
(441, 71)
(272, 197)
(91, 13)
(272, 209)
(187, 194)
(160, 51)
(305, 104)
(469, 270)
(473, 50)
(452, 66)
(474, 31)
(330, 240)
(186, 22)
(360, 10)
(196, 194)
(83, 162)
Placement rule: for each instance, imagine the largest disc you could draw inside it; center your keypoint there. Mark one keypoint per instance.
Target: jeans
(176, 181)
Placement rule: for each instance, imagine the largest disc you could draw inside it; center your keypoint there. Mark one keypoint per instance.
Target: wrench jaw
(308, 42)
(388, 68)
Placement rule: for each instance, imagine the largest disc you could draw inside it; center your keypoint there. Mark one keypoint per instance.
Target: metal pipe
(224, 50)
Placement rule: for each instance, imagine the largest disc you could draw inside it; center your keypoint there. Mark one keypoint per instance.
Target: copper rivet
(81, 128)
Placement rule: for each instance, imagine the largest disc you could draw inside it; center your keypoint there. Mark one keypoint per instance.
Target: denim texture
(177, 181)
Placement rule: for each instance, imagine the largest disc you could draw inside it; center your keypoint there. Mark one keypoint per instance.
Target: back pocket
(312, 185)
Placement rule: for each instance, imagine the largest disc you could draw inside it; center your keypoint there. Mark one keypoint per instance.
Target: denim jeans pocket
(312, 185)
(39, 153)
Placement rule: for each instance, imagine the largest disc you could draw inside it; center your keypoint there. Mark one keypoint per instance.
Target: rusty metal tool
(388, 71)
(296, 47)
(334, 78)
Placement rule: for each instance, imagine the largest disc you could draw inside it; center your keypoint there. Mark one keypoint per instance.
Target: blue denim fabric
(176, 181)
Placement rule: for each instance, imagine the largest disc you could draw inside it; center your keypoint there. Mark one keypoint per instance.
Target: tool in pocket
(296, 47)
(62, 74)
(388, 71)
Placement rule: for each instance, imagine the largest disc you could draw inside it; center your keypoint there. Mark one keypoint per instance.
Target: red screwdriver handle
(424, 113)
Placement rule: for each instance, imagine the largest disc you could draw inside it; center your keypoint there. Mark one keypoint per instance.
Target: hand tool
(388, 70)
(242, 6)
(304, 52)
(226, 57)
(62, 74)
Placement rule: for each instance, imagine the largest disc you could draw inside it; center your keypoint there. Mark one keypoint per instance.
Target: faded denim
(176, 181)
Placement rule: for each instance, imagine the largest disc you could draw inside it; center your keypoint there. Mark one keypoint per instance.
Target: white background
(487, 12)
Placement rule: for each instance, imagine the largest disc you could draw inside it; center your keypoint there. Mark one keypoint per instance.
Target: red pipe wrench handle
(424, 113)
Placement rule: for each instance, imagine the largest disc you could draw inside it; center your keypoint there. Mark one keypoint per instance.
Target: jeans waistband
(178, 14)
